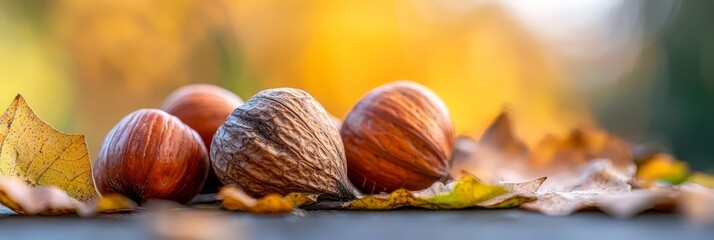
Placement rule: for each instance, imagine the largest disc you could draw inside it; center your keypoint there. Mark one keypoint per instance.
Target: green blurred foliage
(669, 96)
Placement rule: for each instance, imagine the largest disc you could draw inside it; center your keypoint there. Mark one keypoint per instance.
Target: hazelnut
(150, 154)
(282, 141)
(203, 107)
(398, 136)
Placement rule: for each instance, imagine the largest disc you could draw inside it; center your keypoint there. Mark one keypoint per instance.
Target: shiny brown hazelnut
(151, 154)
(203, 107)
(399, 135)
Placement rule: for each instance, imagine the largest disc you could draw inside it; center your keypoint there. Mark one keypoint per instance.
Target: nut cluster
(281, 141)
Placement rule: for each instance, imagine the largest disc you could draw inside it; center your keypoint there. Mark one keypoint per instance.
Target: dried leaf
(603, 187)
(597, 180)
(697, 203)
(300, 199)
(501, 155)
(498, 155)
(500, 136)
(520, 193)
(396, 199)
(48, 200)
(39, 155)
(109, 203)
(589, 169)
(629, 204)
(26, 200)
(581, 147)
(235, 199)
(466, 192)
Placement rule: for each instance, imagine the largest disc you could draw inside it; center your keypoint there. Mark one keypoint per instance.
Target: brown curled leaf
(25, 200)
(501, 137)
(581, 147)
(602, 186)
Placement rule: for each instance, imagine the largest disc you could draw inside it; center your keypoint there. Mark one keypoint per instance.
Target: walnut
(282, 141)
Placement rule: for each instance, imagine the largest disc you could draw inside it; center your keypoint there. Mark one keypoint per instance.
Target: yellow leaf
(39, 155)
(236, 200)
(299, 199)
(466, 192)
(662, 167)
(703, 179)
(396, 199)
(109, 203)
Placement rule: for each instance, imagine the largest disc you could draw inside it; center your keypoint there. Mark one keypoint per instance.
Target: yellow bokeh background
(478, 60)
(88, 63)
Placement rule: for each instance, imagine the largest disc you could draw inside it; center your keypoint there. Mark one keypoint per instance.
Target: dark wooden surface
(403, 224)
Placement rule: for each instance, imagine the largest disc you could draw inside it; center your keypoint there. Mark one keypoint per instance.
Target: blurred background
(641, 69)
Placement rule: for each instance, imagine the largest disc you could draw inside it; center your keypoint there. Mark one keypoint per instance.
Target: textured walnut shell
(282, 141)
(150, 154)
(204, 108)
(398, 136)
